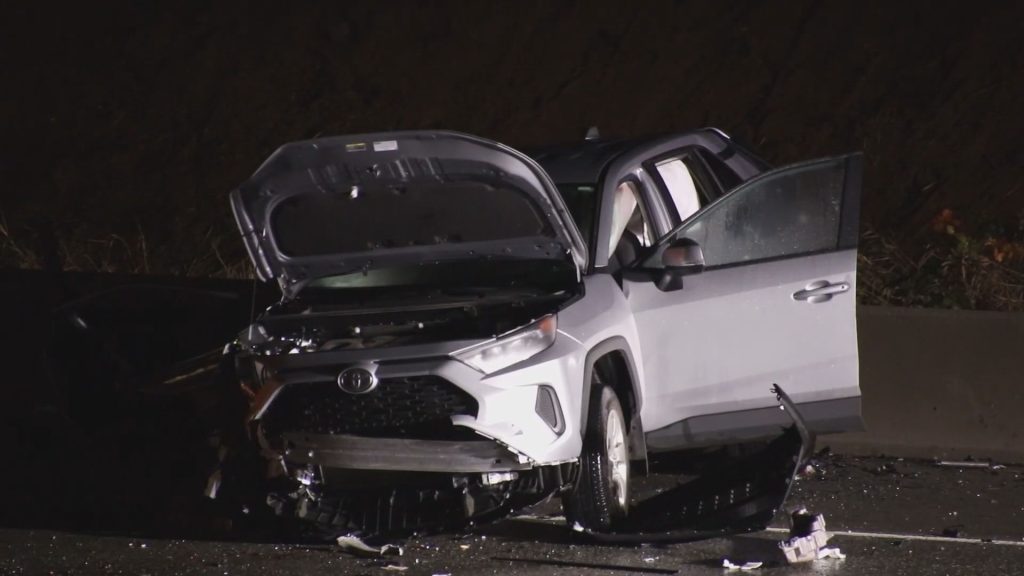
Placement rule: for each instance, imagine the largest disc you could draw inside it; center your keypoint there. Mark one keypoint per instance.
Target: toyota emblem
(357, 380)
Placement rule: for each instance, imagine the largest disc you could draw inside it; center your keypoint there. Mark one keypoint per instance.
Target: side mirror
(681, 258)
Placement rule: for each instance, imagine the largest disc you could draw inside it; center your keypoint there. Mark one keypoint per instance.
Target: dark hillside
(135, 119)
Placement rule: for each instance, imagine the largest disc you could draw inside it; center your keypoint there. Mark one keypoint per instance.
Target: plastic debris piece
(355, 545)
(831, 553)
(395, 567)
(808, 471)
(746, 566)
(803, 548)
(807, 536)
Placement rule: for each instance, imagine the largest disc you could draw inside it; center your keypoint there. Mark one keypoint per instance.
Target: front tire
(601, 494)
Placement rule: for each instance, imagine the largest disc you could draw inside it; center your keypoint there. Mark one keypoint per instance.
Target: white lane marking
(889, 536)
(851, 533)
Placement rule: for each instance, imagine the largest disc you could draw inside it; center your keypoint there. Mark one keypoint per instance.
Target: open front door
(774, 304)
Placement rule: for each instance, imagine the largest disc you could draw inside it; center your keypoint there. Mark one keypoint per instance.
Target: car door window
(685, 182)
(725, 177)
(680, 185)
(788, 213)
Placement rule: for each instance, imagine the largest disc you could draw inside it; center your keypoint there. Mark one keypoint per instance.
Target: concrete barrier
(939, 383)
(936, 383)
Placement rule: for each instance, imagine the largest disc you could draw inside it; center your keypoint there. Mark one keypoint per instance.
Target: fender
(637, 441)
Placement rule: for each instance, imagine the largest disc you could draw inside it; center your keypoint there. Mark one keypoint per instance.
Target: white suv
(466, 330)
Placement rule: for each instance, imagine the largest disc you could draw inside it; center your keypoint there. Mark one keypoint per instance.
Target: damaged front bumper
(397, 454)
(426, 404)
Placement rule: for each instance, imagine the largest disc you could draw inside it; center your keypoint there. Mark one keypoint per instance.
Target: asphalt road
(897, 512)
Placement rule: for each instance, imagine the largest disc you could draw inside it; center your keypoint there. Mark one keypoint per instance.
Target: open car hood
(336, 205)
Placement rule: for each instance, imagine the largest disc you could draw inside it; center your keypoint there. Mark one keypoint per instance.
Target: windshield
(581, 200)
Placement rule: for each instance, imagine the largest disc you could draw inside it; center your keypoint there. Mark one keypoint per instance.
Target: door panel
(775, 303)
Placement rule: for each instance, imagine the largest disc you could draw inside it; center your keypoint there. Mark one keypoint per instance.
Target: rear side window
(727, 179)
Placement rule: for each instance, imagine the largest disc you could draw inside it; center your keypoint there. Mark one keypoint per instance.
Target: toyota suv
(465, 330)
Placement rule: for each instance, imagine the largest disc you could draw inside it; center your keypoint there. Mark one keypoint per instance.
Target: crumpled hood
(336, 205)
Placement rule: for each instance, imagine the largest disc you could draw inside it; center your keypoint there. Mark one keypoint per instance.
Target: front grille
(418, 407)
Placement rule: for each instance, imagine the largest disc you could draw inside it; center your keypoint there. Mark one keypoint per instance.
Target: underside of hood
(333, 206)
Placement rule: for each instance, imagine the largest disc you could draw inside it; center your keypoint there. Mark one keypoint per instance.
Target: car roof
(581, 162)
(585, 162)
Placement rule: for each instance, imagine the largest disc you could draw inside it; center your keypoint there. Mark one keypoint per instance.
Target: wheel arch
(613, 358)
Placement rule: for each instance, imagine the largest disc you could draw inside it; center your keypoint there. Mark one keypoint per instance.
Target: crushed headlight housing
(511, 347)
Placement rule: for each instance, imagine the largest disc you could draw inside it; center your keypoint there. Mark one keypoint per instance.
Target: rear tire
(601, 494)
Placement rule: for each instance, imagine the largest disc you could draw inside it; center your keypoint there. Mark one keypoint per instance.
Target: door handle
(820, 291)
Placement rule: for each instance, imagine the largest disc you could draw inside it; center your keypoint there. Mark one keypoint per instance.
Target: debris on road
(807, 536)
(395, 567)
(969, 464)
(355, 545)
(807, 472)
(952, 531)
(746, 566)
(831, 553)
(885, 469)
(591, 565)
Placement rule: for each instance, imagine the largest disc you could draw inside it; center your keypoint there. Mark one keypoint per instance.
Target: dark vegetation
(125, 124)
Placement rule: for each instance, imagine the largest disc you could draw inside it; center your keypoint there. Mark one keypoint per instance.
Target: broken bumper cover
(525, 415)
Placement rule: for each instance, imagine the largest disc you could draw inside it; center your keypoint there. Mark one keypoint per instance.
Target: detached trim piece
(363, 453)
(741, 496)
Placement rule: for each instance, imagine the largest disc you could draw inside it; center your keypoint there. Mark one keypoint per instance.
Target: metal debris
(746, 566)
(355, 545)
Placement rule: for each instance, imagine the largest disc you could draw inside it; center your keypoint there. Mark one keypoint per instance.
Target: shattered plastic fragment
(831, 553)
(396, 567)
(807, 537)
(355, 545)
(745, 566)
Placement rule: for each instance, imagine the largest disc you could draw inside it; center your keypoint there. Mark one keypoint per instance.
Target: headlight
(511, 347)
